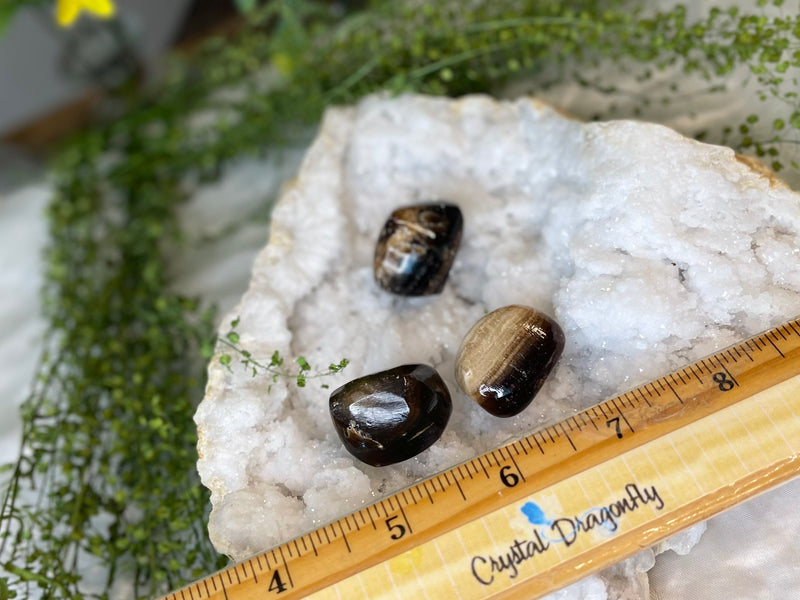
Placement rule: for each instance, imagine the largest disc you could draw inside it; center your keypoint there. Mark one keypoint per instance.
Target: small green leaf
(304, 366)
(233, 337)
(276, 360)
(235, 323)
(301, 380)
(225, 359)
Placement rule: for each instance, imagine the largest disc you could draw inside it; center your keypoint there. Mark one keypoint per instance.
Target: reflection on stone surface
(506, 357)
(390, 416)
(416, 248)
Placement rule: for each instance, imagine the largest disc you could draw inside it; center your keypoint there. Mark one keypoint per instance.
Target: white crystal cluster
(650, 249)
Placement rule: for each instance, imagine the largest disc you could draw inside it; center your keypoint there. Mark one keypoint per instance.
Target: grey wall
(31, 79)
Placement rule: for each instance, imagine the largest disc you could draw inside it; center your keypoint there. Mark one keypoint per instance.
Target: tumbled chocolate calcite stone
(393, 415)
(416, 248)
(506, 357)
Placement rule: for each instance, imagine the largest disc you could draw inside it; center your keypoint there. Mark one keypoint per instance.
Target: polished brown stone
(506, 357)
(393, 415)
(416, 248)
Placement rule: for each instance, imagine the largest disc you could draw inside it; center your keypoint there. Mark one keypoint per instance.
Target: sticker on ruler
(633, 495)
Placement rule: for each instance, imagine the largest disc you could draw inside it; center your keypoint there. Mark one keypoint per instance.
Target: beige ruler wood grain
(563, 502)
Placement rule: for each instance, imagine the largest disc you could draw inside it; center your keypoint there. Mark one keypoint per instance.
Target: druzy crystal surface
(416, 248)
(506, 357)
(390, 416)
(650, 249)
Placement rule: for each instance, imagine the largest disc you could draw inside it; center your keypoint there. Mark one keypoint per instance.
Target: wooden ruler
(564, 502)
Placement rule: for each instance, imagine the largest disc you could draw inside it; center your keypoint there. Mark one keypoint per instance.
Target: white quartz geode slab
(650, 249)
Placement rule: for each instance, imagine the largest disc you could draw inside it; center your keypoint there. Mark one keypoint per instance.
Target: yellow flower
(68, 10)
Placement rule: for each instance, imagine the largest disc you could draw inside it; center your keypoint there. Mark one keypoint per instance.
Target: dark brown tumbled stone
(416, 248)
(506, 357)
(390, 416)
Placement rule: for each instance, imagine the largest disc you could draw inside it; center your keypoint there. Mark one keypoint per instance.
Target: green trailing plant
(106, 480)
(275, 368)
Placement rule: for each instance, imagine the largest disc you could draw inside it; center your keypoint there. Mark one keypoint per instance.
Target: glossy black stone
(416, 248)
(390, 416)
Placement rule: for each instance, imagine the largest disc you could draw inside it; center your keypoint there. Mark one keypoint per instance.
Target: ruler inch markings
(624, 418)
(224, 590)
(666, 445)
(669, 385)
(569, 439)
(461, 491)
(480, 462)
(527, 440)
(496, 453)
(778, 350)
(344, 537)
(405, 518)
(382, 504)
(550, 435)
(735, 381)
(253, 571)
(427, 492)
(516, 466)
(748, 354)
(646, 399)
(285, 566)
